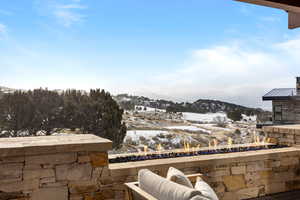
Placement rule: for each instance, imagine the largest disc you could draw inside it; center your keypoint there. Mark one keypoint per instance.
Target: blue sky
(176, 49)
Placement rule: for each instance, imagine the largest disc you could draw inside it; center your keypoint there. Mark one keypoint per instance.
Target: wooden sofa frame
(133, 192)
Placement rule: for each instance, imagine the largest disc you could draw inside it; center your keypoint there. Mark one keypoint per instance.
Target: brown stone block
(238, 170)
(248, 193)
(55, 184)
(74, 172)
(19, 186)
(38, 173)
(82, 187)
(60, 158)
(99, 159)
(95, 196)
(272, 163)
(290, 161)
(50, 194)
(234, 183)
(84, 159)
(46, 180)
(293, 185)
(10, 171)
(218, 173)
(218, 187)
(13, 159)
(75, 197)
(256, 166)
(230, 196)
(273, 187)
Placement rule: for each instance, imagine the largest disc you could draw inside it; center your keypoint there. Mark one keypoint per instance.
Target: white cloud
(231, 72)
(3, 29)
(67, 13)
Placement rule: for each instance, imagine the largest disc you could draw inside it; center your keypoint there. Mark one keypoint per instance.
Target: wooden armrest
(193, 177)
(135, 193)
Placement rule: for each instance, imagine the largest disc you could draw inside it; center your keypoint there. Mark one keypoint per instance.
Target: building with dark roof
(285, 103)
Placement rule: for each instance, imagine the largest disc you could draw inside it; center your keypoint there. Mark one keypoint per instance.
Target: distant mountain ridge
(200, 106)
(128, 102)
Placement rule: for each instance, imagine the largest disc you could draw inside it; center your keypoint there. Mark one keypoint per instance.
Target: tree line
(49, 111)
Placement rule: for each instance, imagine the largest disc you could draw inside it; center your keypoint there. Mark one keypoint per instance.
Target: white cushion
(163, 189)
(177, 176)
(205, 189)
(199, 197)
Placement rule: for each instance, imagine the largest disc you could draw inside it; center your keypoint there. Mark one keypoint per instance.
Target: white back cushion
(164, 189)
(177, 176)
(205, 189)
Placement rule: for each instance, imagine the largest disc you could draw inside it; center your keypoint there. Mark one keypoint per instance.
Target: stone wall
(285, 134)
(76, 168)
(233, 176)
(48, 168)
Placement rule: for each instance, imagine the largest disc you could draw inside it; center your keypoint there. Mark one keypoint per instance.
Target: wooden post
(294, 20)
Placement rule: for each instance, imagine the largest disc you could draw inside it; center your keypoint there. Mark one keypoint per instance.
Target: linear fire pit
(134, 157)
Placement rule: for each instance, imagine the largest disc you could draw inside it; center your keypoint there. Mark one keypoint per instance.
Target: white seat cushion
(164, 189)
(205, 189)
(177, 176)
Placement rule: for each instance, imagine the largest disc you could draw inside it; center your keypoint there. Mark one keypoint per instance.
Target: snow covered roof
(280, 94)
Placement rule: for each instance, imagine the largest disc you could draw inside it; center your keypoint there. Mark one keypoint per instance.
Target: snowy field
(203, 118)
(147, 109)
(151, 138)
(188, 128)
(148, 134)
(249, 118)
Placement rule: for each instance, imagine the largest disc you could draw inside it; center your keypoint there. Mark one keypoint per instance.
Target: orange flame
(215, 143)
(145, 149)
(229, 142)
(159, 148)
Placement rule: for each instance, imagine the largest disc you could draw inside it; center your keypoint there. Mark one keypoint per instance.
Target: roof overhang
(292, 7)
(282, 98)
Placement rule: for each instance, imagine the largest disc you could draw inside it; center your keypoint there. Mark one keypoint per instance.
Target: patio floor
(294, 195)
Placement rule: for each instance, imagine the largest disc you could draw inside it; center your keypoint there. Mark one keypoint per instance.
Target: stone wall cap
(52, 144)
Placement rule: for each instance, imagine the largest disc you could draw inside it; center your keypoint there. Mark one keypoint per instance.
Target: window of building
(278, 112)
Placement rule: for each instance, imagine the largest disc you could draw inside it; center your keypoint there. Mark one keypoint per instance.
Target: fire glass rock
(163, 155)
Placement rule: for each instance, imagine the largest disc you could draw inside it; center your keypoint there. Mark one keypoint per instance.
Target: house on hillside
(285, 104)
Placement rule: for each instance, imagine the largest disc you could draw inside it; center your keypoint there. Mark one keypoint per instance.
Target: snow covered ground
(188, 128)
(148, 134)
(203, 118)
(152, 138)
(147, 109)
(249, 118)
(213, 127)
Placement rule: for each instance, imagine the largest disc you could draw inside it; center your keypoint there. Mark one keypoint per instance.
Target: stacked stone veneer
(53, 168)
(76, 168)
(287, 134)
(233, 176)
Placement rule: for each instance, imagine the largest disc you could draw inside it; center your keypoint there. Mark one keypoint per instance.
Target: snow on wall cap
(20, 146)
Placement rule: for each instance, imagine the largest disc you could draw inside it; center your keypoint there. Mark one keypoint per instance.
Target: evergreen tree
(235, 115)
(43, 110)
